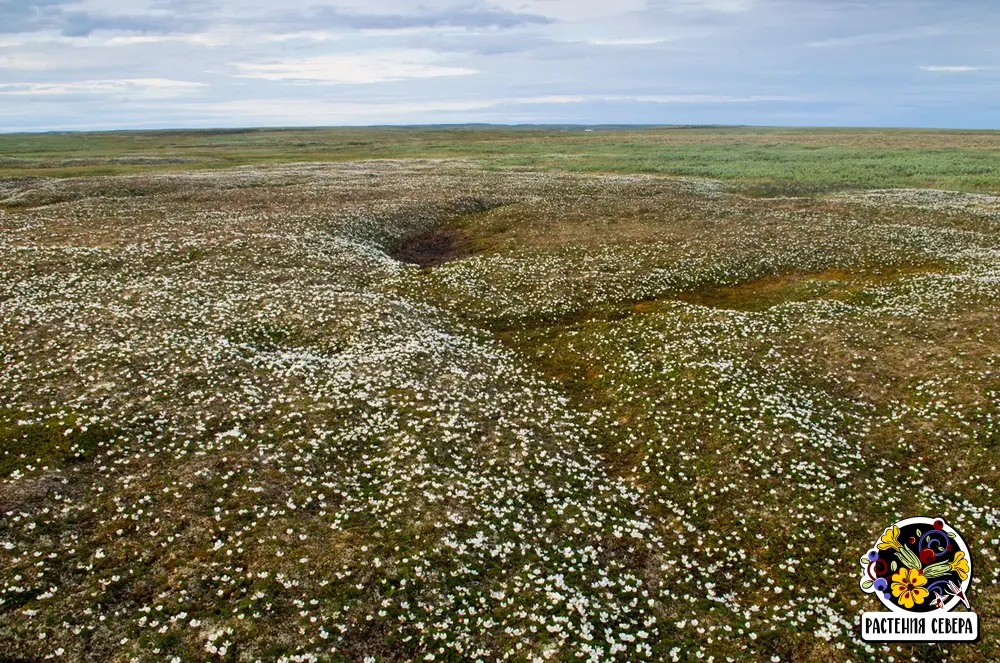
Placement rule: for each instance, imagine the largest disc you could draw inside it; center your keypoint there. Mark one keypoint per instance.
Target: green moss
(33, 440)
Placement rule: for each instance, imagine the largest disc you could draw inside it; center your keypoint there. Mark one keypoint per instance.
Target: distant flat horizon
(486, 125)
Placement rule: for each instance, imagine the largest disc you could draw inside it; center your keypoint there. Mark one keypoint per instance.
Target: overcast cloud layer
(104, 64)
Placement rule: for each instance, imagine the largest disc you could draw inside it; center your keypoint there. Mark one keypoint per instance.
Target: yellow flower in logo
(890, 539)
(961, 565)
(908, 587)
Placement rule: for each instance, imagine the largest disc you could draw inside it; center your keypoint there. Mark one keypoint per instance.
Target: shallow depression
(435, 247)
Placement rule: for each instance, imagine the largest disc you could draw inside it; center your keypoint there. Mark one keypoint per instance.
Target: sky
(133, 64)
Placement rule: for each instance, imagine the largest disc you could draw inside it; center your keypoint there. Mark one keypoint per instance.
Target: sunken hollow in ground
(448, 241)
(435, 247)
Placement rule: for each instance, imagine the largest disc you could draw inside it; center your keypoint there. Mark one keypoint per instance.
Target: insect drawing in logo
(920, 569)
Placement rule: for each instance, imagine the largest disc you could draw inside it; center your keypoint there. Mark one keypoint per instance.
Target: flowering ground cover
(441, 409)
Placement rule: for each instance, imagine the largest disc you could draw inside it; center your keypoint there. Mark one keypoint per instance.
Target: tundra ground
(434, 409)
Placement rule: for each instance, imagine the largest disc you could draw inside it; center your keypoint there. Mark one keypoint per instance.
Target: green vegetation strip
(767, 162)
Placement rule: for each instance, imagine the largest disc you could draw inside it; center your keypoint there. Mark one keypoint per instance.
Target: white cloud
(304, 35)
(319, 111)
(147, 88)
(723, 6)
(374, 67)
(27, 62)
(106, 39)
(340, 35)
(635, 41)
(216, 38)
(652, 98)
(23, 39)
(952, 68)
(569, 10)
(908, 34)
